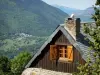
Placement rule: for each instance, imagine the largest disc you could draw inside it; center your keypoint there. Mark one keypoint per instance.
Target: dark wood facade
(43, 60)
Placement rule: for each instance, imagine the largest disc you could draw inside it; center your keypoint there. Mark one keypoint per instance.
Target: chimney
(78, 25)
(73, 26)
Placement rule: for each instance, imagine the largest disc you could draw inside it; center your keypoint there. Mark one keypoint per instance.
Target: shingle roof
(80, 43)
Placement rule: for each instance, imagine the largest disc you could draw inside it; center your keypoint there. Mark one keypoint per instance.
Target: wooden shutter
(70, 53)
(53, 52)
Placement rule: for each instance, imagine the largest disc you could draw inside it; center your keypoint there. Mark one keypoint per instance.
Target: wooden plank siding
(43, 60)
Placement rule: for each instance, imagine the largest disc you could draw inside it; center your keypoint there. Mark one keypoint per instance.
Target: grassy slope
(11, 47)
(32, 17)
(29, 16)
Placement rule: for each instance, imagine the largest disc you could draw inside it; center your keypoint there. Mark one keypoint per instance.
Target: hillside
(32, 17)
(26, 24)
(68, 10)
(85, 15)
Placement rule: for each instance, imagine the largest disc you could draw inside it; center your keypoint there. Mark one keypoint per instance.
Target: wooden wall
(43, 60)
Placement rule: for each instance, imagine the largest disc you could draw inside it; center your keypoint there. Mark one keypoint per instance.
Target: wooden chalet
(64, 50)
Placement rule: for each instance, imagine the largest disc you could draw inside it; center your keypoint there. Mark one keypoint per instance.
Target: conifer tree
(93, 68)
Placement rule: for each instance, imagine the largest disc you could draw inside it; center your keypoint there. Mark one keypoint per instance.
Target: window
(61, 52)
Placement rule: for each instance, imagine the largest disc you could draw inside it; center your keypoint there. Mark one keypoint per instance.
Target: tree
(19, 62)
(98, 2)
(93, 68)
(4, 66)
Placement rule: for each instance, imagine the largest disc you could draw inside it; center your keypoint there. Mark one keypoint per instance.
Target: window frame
(61, 50)
(64, 53)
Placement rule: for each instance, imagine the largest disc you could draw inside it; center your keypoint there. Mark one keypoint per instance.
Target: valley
(25, 25)
(21, 42)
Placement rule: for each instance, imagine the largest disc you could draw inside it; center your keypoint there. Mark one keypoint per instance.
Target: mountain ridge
(68, 10)
(26, 24)
(85, 14)
(29, 16)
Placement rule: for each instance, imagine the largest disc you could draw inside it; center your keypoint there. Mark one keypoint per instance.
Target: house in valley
(64, 50)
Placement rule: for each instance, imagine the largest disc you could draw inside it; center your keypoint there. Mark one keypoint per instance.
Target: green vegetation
(12, 46)
(14, 66)
(32, 17)
(93, 68)
(4, 65)
(19, 62)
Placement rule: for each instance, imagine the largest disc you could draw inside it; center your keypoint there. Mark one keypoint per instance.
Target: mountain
(33, 17)
(88, 11)
(68, 9)
(85, 15)
(26, 24)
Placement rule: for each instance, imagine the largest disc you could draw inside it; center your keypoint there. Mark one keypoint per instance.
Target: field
(21, 42)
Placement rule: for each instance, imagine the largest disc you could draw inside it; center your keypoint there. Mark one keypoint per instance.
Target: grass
(19, 42)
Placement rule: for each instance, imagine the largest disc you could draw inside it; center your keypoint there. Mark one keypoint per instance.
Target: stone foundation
(40, 71)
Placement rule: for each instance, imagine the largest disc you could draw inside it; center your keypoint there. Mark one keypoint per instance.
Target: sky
(78, 4)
